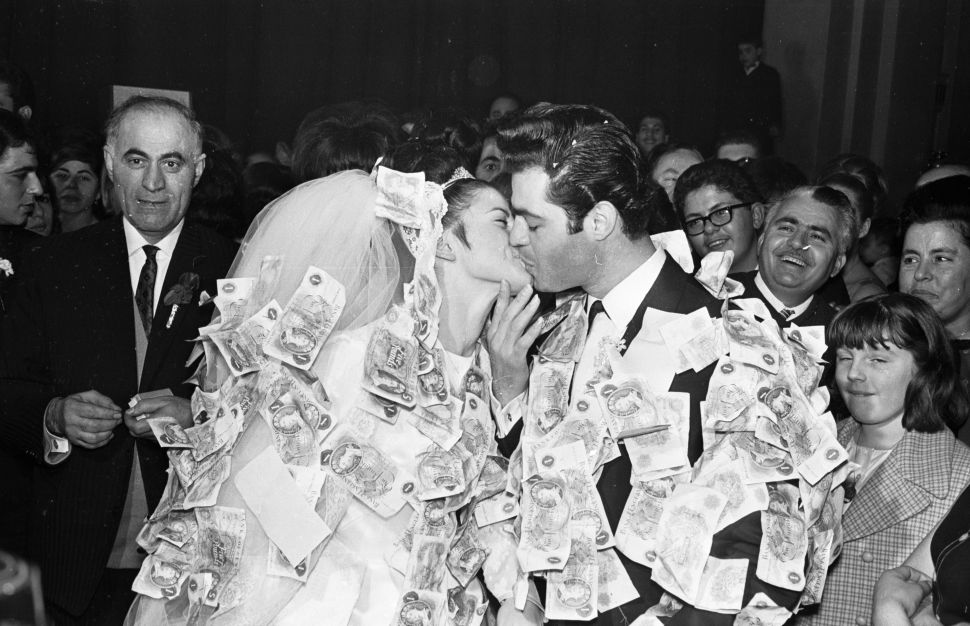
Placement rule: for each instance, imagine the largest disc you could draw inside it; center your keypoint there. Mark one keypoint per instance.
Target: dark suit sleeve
(25, 379)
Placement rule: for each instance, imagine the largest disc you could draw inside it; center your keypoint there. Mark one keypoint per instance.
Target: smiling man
(99, 302)
(721, 209)
(806, 237)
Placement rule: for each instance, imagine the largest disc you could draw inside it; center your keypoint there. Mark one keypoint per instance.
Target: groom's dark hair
(14, 132)
(589, 155)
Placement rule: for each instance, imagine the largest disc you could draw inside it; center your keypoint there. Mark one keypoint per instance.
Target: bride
(357, 483)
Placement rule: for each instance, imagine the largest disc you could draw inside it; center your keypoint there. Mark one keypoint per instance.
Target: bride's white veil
(329, 223)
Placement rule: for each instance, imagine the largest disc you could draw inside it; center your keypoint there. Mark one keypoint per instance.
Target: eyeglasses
(717, 217)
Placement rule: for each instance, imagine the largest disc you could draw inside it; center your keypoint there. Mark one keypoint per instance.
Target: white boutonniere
(6, 267)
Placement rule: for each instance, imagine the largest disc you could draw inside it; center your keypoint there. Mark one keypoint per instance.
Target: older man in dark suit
(103, 314)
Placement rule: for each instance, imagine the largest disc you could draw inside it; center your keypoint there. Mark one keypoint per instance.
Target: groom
(103, 314)
(580, 203)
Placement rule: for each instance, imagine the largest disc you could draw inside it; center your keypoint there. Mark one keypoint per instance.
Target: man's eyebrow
(167, 155)
(517, 211)
(820, 229)
(23, 169)
(490, 158)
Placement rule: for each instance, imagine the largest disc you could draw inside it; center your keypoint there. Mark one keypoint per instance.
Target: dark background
(254, 68)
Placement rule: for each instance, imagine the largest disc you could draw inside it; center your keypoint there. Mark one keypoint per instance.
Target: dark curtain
(254, 68)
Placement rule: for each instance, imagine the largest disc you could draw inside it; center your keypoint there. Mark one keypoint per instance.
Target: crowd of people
(542, 366)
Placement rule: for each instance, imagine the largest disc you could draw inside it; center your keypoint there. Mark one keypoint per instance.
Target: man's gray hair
(155, 104)
(848, 222)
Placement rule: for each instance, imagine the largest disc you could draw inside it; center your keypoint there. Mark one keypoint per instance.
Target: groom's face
(154, 162)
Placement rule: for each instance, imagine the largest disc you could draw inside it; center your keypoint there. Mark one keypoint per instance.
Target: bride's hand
(509, 338)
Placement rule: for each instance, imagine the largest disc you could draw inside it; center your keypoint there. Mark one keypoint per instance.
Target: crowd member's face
(76, 186)
(651, 133)
(798, 251)
(489, 256)
(501, 107)
(748, 54)
(41, 220)
(19, 184)
(490, 163)
(739, 235)
(935, 267)
(556, 259)
(873, 382)
(154, 163)
(670, 166)
(737, 151)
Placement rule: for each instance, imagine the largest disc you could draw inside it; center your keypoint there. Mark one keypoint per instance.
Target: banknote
(767, 431)
(762, 611)
(333, 502)
(496, 508)
(162, 574)
(419, 608)
(828, 455)
(799, 424)
(656, 451)
(713, 271)
(231, 298)
(400, 198)
(493, 477)
(439, 471)
(466, 606)
(765, 357)
(732, 389)
(722, 585)
(438, 423)
(307, 320)
(584, 423)
(475, 380)
(391, 363)
(222, 531)
(684, 536)
(548, 395)
(615, 587)
(267, 282)
(429, 519)
(742, 498)
(467, 554)
(636, 532)
(179, 528)
(550, 320)
(685, 328)
(565, 342)
(810, 338)
(544, 544)
(189, 607)
(187, 468)
(380, 407)
(205, 405)
(370, 475)
(630, 409)
(572, 593)
(427, 564)
(204, 491)
(423, 296)
(784, 540)
(277, 565)
(705, 348)
(294, 439)
(763, 462)
(586, 508)
(432, 384)
(216, 433)
(821, 550)
(242, 346)
(168, 433)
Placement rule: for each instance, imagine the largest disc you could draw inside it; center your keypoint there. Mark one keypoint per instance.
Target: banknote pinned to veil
(260, 482)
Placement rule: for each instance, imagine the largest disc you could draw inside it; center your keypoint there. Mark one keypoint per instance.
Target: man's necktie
(145, 291)
(595, 309)
(787, 313)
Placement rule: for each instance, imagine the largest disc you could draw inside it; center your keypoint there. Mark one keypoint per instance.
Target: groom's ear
(109, 162)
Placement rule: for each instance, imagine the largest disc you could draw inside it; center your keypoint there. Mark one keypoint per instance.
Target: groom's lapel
(189, 256)
(665, 295)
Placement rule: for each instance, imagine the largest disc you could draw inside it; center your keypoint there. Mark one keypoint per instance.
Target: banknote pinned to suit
(232, 296)
(222, 531)
(631, 409)
(467, 553)
(549, 396)
(784, 540)
(722, 585)
(391, 362)
(162, 574)
(307, 320)
(565, 342)
(572, 593)
(614, 587)
(696, 330)
(545, 513)
(761, 610)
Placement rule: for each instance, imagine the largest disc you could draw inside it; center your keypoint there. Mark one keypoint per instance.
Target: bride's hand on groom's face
(136, 418)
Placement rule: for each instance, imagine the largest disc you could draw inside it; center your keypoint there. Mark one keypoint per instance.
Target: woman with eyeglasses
(721, 209)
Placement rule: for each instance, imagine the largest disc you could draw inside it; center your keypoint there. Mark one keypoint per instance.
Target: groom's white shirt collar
(136, 255)
(622, 301)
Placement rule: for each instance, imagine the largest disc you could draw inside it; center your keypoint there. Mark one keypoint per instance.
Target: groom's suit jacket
(73, 329)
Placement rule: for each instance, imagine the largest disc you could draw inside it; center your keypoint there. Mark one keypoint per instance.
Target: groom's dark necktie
(145, 291)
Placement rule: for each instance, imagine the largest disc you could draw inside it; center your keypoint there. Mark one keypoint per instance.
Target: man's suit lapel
(189, 256)
(665, 295)
(901, 487)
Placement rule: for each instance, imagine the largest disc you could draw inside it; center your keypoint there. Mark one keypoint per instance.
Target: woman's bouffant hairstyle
(935, 398)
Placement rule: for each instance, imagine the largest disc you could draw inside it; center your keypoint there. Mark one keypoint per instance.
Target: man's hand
(508, 615)
(898, 596)
(165, 406)
(86, 419)
(509, 337)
